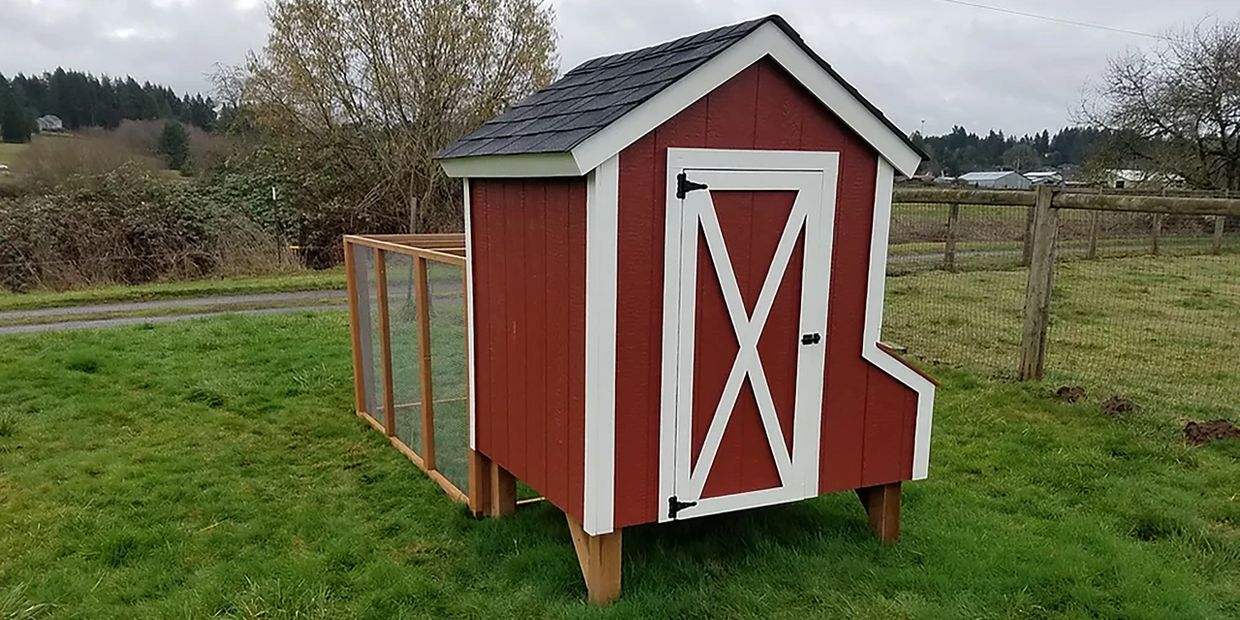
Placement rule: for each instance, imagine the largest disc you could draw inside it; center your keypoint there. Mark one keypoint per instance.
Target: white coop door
(745, 317)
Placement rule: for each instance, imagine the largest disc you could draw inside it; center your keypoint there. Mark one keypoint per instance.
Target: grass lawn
(213, 468)
(10, 153)
(296, 281)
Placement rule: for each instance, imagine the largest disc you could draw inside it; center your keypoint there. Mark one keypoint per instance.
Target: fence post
(1038, 292)
(355, 331)
(422, 311)
(1219, 222)
(949, 251)
(1027, 251)
(385, 344)
(1156, 234)
(1093, 235)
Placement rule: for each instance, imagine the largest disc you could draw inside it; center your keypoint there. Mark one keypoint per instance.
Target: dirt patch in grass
(1202, 433)
(1070, 393)
(1117, 406)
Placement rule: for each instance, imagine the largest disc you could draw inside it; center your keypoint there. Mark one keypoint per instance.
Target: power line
(1057, 20)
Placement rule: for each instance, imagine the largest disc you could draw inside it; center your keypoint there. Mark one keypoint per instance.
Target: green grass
(214, 468)
(11, 153)
(297, 281)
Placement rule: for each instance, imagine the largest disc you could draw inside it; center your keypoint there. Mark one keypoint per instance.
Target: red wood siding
(751, 223)
(868, 417)
(528, 253)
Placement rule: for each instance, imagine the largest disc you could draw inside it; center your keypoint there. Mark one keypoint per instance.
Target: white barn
(996, 180)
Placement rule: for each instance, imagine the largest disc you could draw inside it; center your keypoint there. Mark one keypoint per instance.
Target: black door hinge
(809, 339)
(674, 506)
(684, 186)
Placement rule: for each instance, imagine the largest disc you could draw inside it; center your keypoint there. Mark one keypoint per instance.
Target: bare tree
(1175, 109)
(379, 86)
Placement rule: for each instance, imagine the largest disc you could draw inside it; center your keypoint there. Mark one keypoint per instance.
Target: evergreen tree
(83, 100)
(14, 122)
(174, 145)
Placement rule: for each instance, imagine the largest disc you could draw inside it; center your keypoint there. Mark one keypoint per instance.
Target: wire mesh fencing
(957, 237)
(1144, 304)
(449, 375)
(407, 310)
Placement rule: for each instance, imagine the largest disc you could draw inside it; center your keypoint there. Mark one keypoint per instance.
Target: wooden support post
(1156, 234)
(1027, 250)
(1220, 221)
(1038, 291)
(355, 329)
(385, 344)
(1093, 235)
(503, 492)
(949, 253)
(599, 558)
(424, 346)
(882, 504)
(479, 484)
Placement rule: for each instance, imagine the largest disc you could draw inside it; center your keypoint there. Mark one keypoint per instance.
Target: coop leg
(882, 504)
(479, 484)
(492, 490)
(503, 492)
(599, 557)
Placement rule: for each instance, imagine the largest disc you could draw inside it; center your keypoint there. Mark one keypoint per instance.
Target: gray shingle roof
(599, 91)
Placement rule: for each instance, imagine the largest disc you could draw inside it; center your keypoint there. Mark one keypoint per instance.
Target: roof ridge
(590, 64)
(591, 96)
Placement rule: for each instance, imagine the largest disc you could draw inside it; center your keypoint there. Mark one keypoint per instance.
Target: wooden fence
(1043, 205)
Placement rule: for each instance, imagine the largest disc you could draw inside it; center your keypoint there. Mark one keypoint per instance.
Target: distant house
(50, 123)
(1046, 177)
(995, 180)
(1131, 179)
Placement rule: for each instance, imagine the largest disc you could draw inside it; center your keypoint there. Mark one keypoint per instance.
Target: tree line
(82, 100)
(961, 151)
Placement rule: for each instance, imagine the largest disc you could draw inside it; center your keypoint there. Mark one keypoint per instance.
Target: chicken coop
(672, 280)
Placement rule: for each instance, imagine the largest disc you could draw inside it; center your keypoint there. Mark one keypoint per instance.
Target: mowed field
(214, 468)
(9, 153)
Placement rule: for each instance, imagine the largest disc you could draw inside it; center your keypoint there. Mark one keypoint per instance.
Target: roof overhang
(523, 165)
(767, 40)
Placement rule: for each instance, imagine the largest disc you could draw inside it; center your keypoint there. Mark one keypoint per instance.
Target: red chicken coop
(675, 263)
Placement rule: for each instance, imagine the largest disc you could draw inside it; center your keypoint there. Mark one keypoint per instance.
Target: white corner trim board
(870, 351)
(767, 40)
(472, 354)
(602, 221)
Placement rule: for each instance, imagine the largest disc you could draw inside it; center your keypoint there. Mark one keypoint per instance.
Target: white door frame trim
(746, 169)
(602, 227)
(870, 350)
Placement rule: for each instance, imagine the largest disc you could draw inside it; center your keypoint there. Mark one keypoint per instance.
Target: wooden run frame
(440, 248)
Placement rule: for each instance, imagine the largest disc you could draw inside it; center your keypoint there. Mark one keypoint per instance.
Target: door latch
(674, 506)
(809, 339)
(684, 186)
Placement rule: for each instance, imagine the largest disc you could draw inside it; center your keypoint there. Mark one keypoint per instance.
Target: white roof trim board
(769, 39)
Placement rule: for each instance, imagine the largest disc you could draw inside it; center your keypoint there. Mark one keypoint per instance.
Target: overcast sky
(918, 60)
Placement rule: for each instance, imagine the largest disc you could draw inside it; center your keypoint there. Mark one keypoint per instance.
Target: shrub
(126, 226)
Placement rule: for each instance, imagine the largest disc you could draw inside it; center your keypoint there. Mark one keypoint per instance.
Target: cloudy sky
(919, 60)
